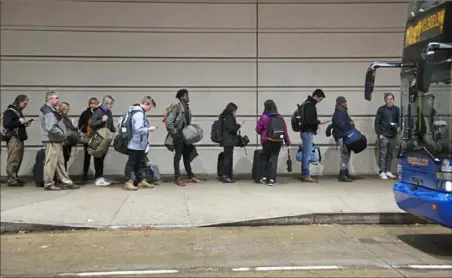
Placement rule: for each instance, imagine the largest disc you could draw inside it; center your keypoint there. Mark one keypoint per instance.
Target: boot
(349, 176)
(343, 177)
(130, 186)
(179, 182)
(145, 184)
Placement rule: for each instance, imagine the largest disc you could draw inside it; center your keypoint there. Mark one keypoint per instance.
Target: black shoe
(271, 183)
(16, 184)
(349, 176)
(343, 177)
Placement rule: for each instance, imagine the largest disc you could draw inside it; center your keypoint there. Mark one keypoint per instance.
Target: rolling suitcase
(257, 172)
(38, 168)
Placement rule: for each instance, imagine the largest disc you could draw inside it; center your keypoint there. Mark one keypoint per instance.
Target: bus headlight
(447, 186)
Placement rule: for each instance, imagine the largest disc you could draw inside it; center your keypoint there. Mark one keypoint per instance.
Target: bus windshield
(431, 120)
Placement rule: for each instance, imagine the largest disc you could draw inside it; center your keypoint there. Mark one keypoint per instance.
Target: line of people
(59, 136)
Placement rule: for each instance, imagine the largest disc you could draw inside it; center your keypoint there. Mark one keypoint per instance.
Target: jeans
(386, 153)
(86, 160)
(271, 154)
(307, 138)
(134, 164)
(99, 166)
(345, 154)
(67, 150)
(179, 152)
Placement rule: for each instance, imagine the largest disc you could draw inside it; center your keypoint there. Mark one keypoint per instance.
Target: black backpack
(297, 120)
(125, 133)
(216, 132)
(275, 129)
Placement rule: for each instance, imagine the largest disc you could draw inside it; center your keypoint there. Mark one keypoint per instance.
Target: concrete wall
(222, 51)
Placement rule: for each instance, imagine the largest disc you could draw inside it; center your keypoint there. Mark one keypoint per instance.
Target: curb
(398, 218)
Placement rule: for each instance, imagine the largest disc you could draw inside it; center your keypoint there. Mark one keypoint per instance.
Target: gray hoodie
(53, 129)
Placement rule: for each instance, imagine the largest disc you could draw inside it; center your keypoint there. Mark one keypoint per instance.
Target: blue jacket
(140, 131)
(341, 123)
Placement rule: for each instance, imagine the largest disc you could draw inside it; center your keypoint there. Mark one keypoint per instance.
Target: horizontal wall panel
(333, 16)
(206, 162)
(139, 73)
(127, 44)
(340, 45)
(131, 15)
(322, 73)
(202, 101)
(157, 137)
(286, 100)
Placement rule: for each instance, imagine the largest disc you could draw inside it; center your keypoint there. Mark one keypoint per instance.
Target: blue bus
(424, 185)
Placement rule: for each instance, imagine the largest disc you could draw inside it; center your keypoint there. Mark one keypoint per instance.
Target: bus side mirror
(370, 82)
(425, 72)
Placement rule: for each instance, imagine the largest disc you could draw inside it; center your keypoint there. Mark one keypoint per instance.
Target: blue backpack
(314, 159)
(351, 136)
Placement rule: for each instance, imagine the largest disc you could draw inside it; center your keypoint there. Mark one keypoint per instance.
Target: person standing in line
(270, 121)
(83, 126)
(138, 144)
(309, 129)
(15, 133)
(387, 125)
(64, 109)
(342, 123)
(102, 117)
(178, 118)
(229, 132)
(53, 134)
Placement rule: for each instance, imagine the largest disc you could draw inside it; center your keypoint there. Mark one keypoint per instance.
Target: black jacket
(84, 119)
(12, 125)
(311, 122)
(230, 129)
(385, 116)
(96, 120)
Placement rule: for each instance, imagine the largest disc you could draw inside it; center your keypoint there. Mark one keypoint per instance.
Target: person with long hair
(14, 125)
(229, 134)
(271, 122)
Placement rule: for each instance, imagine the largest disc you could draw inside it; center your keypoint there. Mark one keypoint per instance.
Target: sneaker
(145, 184)
(130, 186)
(263, 181)
(383, 176)
(271, 183)
(390, 175)
(102, 182)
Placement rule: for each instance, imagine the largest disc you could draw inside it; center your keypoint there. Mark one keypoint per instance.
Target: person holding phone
(230, 129)
(15, 134)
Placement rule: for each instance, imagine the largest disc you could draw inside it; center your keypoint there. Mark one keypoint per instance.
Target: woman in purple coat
(273, 131)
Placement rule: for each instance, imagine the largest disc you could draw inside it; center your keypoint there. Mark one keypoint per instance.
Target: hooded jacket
(341, 122)
(262, 126)
(140, 129)
(229, 129)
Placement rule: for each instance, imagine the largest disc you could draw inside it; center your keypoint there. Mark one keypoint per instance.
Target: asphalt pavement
(289, 251)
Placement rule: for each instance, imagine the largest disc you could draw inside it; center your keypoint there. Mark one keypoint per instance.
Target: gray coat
(175, 122)
(53, 129)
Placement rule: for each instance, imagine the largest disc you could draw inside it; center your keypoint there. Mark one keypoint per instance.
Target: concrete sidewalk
(205, 204)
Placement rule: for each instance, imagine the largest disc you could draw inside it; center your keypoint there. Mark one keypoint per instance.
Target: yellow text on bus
(413, 33)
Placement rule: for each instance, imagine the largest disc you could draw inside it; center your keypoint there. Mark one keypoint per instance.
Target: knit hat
(340, 100)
